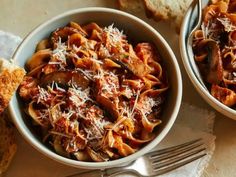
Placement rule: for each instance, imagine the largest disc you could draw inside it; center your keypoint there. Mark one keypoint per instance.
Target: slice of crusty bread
(167, 9)
(173, 10)
(131, 6)
(8, 145)
(10, 78)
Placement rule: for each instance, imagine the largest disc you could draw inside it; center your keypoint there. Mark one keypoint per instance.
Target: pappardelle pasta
(93, 95)
(215, 51)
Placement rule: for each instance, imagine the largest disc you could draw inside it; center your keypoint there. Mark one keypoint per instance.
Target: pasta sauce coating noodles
(214, 50)
(93, 95)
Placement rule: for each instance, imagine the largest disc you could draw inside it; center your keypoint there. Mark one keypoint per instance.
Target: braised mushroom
(134, 66)
(214, 66)
(34, 113)
(39, 58)
(64, 77)
(108, 105)
(44, 44)
(97, 157)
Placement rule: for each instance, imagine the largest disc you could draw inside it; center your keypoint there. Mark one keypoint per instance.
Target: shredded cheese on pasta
(89, 103)
(214, 50)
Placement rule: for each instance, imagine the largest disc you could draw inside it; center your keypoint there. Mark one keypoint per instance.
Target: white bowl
(135, 29)
(187, 25)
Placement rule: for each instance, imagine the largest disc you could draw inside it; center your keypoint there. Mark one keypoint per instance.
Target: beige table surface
(21, 16)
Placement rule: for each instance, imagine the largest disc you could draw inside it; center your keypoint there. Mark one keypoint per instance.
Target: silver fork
(156, 162)
(189, 44)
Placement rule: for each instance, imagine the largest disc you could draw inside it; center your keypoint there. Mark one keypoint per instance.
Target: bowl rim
(220, 107)
(96, 165)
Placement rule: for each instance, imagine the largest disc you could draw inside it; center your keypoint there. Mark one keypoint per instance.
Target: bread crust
(10, 78)
(9, 81)
(151, 12)
(130, 5)
(167, 10)
(8, 145)
(158, 9)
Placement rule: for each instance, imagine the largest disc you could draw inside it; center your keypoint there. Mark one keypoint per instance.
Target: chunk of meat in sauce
(224, 95)
(28, 88)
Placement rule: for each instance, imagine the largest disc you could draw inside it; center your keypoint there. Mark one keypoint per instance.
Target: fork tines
(174, 157)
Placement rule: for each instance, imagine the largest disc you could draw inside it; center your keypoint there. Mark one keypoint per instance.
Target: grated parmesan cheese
(79, 96)
(43, 116)
(59, 88)
(104, 52)
(73, 115)
(108, 80)
(59, 53)
(114, 33)
(93, 133)
(67, 115)
(90, 44)
(209, 32)
(234, 74)
(101, 123)
(43, 94)
(147, 104)
(228, 25)
(100, 74)
(128, 92)
(75, 48)
(135, 102)
(87, 73)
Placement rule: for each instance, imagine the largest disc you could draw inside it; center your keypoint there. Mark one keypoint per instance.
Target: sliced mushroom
(64, 77)
(32, 112)
(39, 58)
(36, 71)
(44, 44)
(82, 156)
(55, 112)
(123, 65)
(97, 157)
(108, 105)
(57, 144)
(110, 153)
(35, 115)
(134, 66)
(215, 66)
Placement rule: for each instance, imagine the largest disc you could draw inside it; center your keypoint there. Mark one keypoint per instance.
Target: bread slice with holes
(167, 10)
(8, 145)
(11, 76)
(158, 9)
